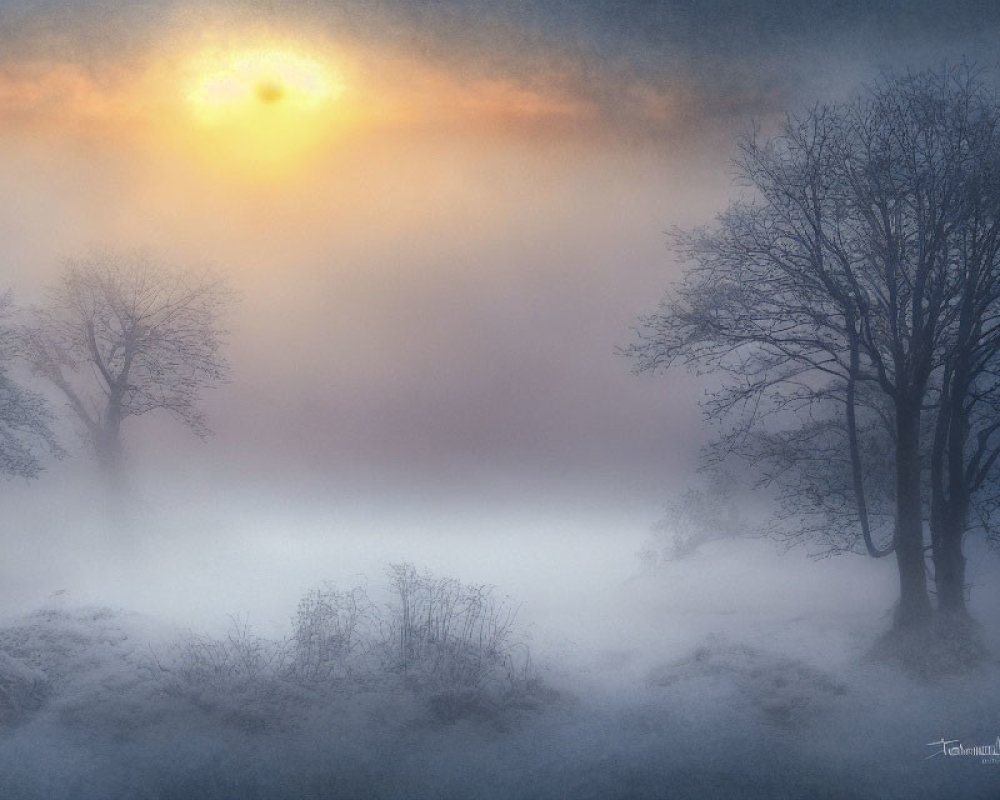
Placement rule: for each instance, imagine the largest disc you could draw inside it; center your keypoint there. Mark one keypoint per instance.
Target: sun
(262, 106)
(247, 82)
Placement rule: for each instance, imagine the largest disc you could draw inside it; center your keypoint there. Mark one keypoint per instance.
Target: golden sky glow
(245, 101)
(261, 108)
(409, 214)
(253, 83)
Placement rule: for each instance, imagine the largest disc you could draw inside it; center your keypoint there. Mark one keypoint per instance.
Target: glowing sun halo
(266, 105)
(263, 76)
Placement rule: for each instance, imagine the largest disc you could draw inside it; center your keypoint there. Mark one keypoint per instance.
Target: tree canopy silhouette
(123, 334)
(850, 304)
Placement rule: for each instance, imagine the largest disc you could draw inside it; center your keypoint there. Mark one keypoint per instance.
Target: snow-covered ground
(734, 673)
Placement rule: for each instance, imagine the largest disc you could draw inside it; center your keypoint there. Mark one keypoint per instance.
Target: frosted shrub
(240, 657)
(442, 633)
(240, 677)
(332, 635)
(450, 644)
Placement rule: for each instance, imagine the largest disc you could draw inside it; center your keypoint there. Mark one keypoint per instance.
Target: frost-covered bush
(441, 633)
(241, 678)
(450, 644)
(453, 643)
(333, 635)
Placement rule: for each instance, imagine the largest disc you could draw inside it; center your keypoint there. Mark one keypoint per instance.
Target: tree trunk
(110, 456)
(857, 470)
(949, 561)
(949, 568)
(914, 607)
(951, 495)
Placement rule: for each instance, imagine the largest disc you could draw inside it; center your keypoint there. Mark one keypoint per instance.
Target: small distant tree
(693, 518)
(24, 419)
(122, 334)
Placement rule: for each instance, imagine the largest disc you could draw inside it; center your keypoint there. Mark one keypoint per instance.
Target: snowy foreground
(731, 674)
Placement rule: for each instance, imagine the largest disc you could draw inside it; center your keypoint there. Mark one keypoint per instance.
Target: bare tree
(694, 517)
(123, 334)
(965, 443)
(831, 300)
(24, 418)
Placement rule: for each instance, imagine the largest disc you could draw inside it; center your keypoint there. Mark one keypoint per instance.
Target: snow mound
(87, 666)
(949, 646)
(22, 690)
(66, 643)
(787, 692)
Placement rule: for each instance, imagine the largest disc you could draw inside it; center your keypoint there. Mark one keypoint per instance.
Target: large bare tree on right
(851, 304)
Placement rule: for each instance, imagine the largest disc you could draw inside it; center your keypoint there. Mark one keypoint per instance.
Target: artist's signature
(989, 753)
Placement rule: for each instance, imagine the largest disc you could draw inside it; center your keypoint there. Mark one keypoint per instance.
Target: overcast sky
(437, 265)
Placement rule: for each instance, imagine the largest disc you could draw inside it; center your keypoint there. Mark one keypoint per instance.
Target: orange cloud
(40, 89)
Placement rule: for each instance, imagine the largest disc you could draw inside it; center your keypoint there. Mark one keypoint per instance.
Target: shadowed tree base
(945, 645)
